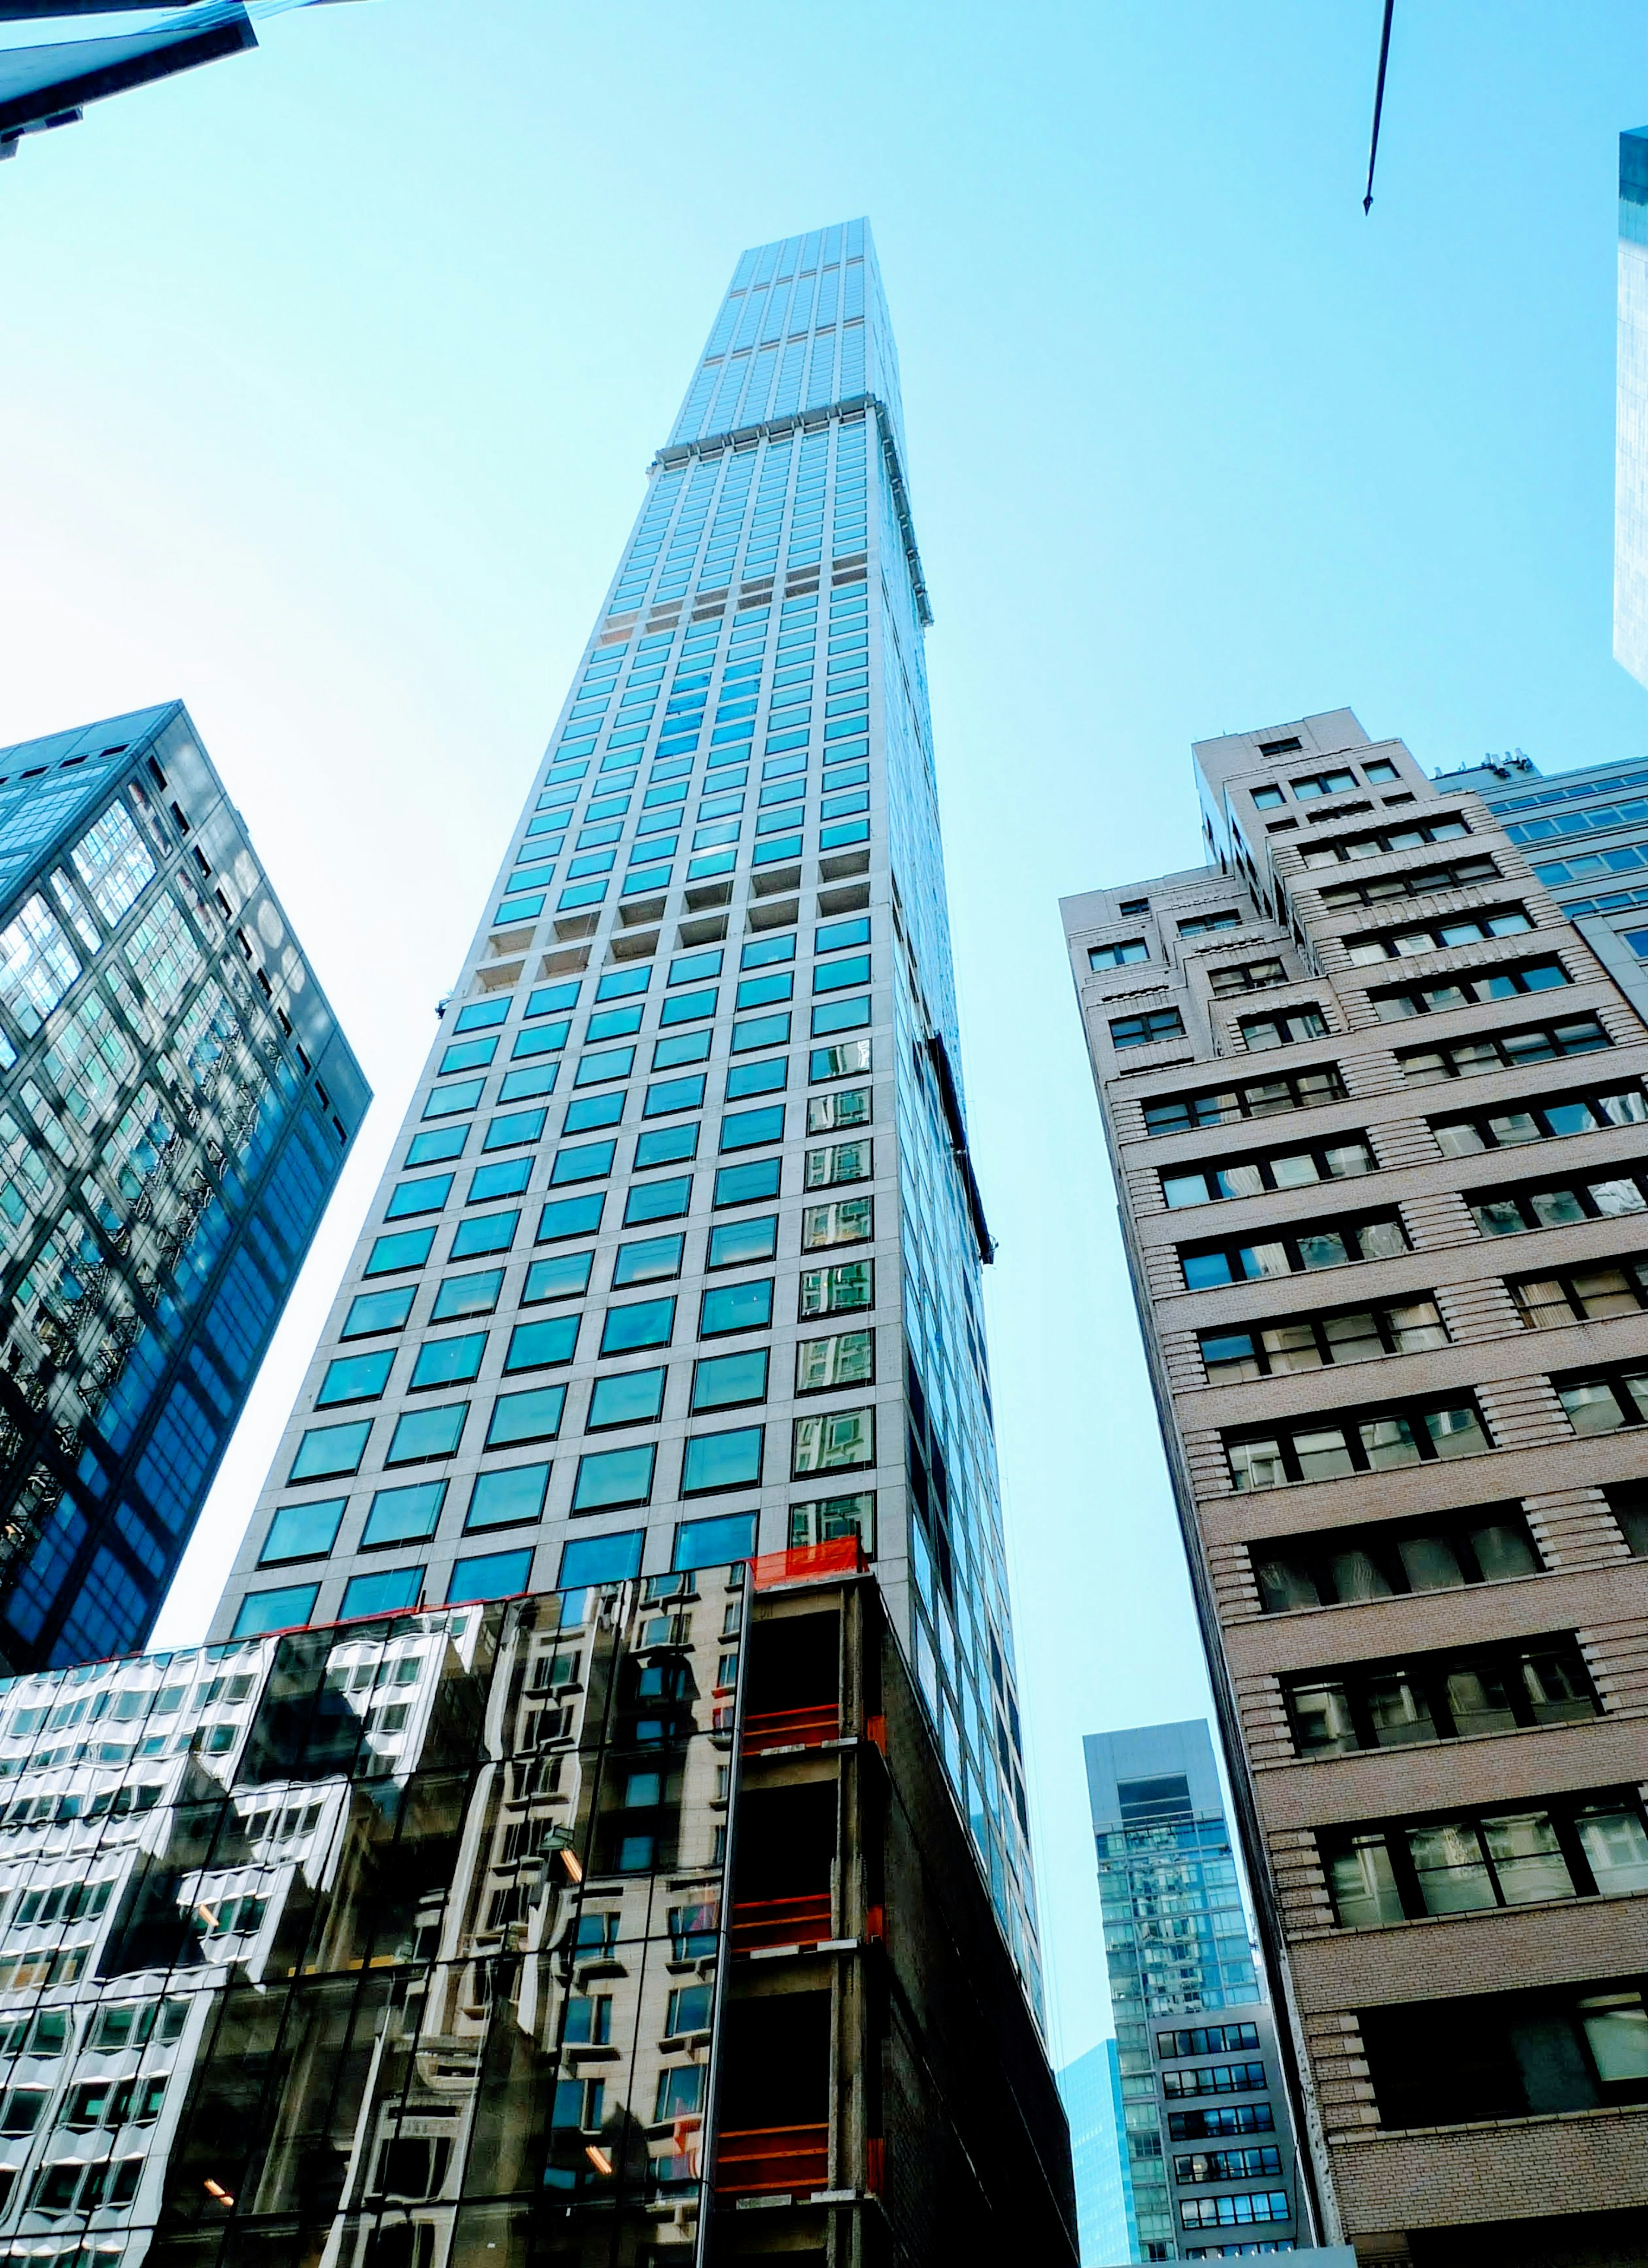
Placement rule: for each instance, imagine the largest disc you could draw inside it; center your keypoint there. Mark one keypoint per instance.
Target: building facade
(178, 1103)
(1205, 2120)
(1091, 2091)
(678, 1255)
(1586, 835)
(634, 1924)
(1408, 1453)
(1630, 473)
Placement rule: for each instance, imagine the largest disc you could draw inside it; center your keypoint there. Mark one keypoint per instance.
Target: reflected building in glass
(628, 1925)
(176, 1102)
(678, 1255)
(1631, 476)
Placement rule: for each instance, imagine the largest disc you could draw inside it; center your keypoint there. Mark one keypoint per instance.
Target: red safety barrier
(761, 2161)
(806, 1920)
(808, 1562)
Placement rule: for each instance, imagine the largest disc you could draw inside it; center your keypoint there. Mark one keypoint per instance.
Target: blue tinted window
(494, 1231)
(737, 1242)
(403, 1515)
(723, 1380)
(757, 1077)
(459, 1095)
(685, 1047)
(448, 1362)
(589, 1161)
(468, 1295)
(500, 1499)
(647, 1259)
(593, 1110)
(623, 983)
(749, 1130)
(563, 1277)
(762, 952)
(667, 1145)
(572, 1217)
(600, 1559)
(534, 1416)
(671, 1095)
(633, 1397)
(534, 1347)
(753, 1032)
(609, 1478)
(440, 1142)
(714, 1542)
(302, 1531)
(489, 1575)
(551, 998)
(288, 1608)
(386, 1594)
(722, 1461)
(355, 1378)
(744, 1184)
(835, 936)
(411, 1197)
(688, 967)
(516, 1126)
(390, 1254)
(737, 1307)
(330, 1449)
(688, 1007)
(507, 1179)
(640, 1323)
(658, 1201)
(759, 992)
(421, 1433)
(839, 1016)
(379, 1311)
(481, 1015)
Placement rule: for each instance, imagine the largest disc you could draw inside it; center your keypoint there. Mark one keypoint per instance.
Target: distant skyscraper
(1630, 474)
(1091, 2089)
(1381, 1135)
(1209, 2140)
(175, 1105)
(678, 1255)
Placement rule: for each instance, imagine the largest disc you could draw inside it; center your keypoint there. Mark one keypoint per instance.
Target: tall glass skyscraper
(176, 1102)
(1631, 476)
(678, 1255)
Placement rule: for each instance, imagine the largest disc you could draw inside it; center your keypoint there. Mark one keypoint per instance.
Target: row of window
(1436, 937)
(1514, 1854)
(1497, 984)
(1489, 1544)
(1335, 781)
(1440, 1697)
(1384, 842)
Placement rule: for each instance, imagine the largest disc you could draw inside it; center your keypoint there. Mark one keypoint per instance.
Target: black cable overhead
(1379, 103)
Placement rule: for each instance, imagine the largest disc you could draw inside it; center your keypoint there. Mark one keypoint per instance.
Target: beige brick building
(1379, 1129)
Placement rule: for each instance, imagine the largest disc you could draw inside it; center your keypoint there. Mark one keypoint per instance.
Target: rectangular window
(848, 1059)
(1438, 936)
(610, 1478)
(355, 1378)
(489, 1575)
(1343, 1160)
(1577, 1295)
(1247, 976)
(302, 1531)
(1311, 1342)
(1539, 1120)
(667, 1097)
(747, 1184)
(448, 1362)
(587, 1161)
(724, 1381)
(753, 1032)
(1396, 1004)
(403, 1515)
(658, 1201)
(833, 1441)
(749, 1130)
(1327, 1448)
(831, 1291)
(1512, 1855)
(1301, 1090)
(839, 1016)
(641, 1323)
(407, 1199)
(1145, 1031)
(566, 1276)
(735, 1243)
(1508, 2055)
(572, 1217)
(847, 1358)
(1202, 925)
(847, 1107)
(286, 1609)
(421, 1434)
(1508, 1212)
(1492, 1544)
(1119, 956)
(736, 1308)
(630, 1397)
(506, 1179)
(1320, 1244)
(533, 1416)
(391, 1591)
(1423, 882)
(648, 1260)
(666, 1146)
(714, 1462)
(329, 1451)
(541, 1346)
(1284, 1029)
(1333, 851)
(1444, 1695)
(390, 1254)
(468, 1295)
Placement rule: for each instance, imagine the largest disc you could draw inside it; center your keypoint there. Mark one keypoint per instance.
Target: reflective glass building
(1630, 479)
(176, 1102)
(678, 1256)
(1091, 2091)
(1205, 2124)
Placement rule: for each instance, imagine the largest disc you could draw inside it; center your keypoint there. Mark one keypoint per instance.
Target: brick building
(1393, 1279)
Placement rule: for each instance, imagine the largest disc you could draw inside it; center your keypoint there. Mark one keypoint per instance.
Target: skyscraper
(678, 1253)
(1091, 2091)
(1630, 473)
(1404, 1418)
(178, 1102)
(1205, 2123)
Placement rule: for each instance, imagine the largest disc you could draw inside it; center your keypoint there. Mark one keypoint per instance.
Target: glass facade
(1091, 2090)
(678, 1256)
(175, 1106)
(1631, 485)
(1184, 1984)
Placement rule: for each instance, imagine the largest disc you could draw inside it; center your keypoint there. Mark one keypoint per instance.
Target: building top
(1633, 184)
(1123, 1769)
(47, 786)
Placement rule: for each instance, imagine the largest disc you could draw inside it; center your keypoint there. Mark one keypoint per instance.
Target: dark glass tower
(176, 1102)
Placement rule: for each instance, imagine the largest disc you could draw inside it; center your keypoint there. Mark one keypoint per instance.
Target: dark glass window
(1294, 1251)
(1338, 1567)
(1330, 1447)
(1439, 1697)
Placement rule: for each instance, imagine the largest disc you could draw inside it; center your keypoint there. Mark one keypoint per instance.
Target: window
(390, 1254)
(564, 1277)
(571, 1217)
(1509, 1212)
(1211, 2039)
(849, 1106)
(1229, 2165)
(409, 1198)
(1320, 1244)
(826, 1517)
(379, 1311)
(536, 1346)
(1251, 1177)
(328, 1451)
(533, 1416)
(630, 1397)
(1604, 1404)
(1118, 956)
(1247, 976)
(421, 1433)
(447, 1362)
(1299, 1090)
(1203, 924)
(355, 1378)
(1502, 1051)
(847, 1358)
(1438, 936)
(735, 1243)
(640, 1323)
(607, 1479)
(1628, 1504)
(593, 1110)
(667, 1095)
(1505, 2055)
(1436, 999)
(749, 1130)
(1322, 1449)
(1130, 908)
(1421, 882)
(302, 1531)
(666, 1146)
(1268, 799)
(588, 1161)
(833, 1441)
(831, 1291)
(658, 1201)
(1539, 1121)
(647, 1259)
(736, 1308)
(506, 1179)
(439, 1142)
(1489, 1544)
(599, 1559)
(1310, 1343)
(1335, 849)
(489, 1575)
(1234, 2209)
(1143, 1031)
(1284, 1029)
(747, 1184)
(848, 1220)
(1439, 1697)
(468, 1295)
(502, 1499)
(1330, 782)
(712, 1461)
(261, 1611)
(726, 1381)
(403, 1515)
(1582, 1294)
(492, 1233)
(1569, 1847)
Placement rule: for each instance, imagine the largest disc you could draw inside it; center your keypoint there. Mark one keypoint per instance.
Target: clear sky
(327, 377)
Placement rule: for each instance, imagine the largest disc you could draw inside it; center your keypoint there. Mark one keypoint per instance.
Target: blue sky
(329, 377)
